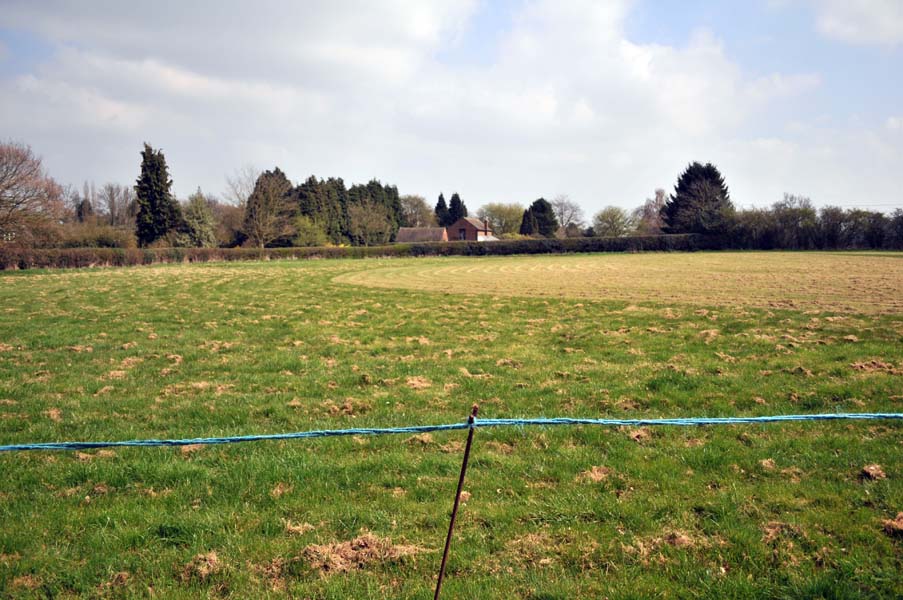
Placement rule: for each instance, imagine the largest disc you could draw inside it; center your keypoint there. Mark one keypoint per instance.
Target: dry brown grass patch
(29, 582)
(508, 362)
(118, 580)
(89, 456)
(280, 489)
(452, 447)
(189, 449)
(594, 474)
(201, 567)
(421, 439)
(536, 548)
(894, 527)
(709, 335)
(468, 374)
(349, 408)
(639, 435)
(775, 530)
(297, 528)
(872, 472)
(876, 366)
(359, 553)
(418, 383)
(130, 361)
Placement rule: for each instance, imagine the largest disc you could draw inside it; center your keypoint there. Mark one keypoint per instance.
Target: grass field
(221, 349)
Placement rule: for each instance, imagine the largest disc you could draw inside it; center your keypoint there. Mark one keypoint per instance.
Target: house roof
(421, 234)
(475, 222)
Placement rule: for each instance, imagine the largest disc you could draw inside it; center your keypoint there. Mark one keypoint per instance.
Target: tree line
(701, 204)
(275, 213)
(265, 209)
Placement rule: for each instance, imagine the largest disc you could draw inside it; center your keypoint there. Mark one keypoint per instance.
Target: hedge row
(12, 257)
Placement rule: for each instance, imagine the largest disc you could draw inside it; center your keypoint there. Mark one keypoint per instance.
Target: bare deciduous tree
(229, 221)
(648, 217)
(567, 211)
(116, 200)
(70, 199)
(26, 192)
(240, 185)
(269, 214)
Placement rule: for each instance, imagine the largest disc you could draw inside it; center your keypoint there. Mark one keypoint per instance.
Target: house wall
(470, 232)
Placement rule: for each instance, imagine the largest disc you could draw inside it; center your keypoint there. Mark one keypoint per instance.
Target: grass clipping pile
(358, 553)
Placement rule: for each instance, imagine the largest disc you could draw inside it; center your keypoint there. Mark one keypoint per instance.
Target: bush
(97, 236)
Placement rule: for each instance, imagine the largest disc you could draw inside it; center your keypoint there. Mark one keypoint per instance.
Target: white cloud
(355, 89)
(895, 123)
(861, 21)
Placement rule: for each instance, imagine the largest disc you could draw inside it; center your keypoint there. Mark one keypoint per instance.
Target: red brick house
(470, 229)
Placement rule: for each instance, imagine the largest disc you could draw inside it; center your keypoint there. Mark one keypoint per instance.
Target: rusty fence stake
(454, 513)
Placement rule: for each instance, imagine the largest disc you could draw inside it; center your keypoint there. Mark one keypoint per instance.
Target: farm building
(422, 234)
(470, 229)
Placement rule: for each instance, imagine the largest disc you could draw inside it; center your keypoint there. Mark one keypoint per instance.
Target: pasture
(228, 349)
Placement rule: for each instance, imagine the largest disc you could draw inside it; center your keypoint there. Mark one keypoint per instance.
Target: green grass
(210, 350)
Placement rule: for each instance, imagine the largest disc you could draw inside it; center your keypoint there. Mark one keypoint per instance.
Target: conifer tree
(700, 202)
(456, 209)
(84, 211)
(528, 225)
(377, 195)
(158, 212)
(199, 227)
(442, 214)
(337, 228)
(539, 219)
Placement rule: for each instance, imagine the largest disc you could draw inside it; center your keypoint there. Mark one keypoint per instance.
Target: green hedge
(12, 257)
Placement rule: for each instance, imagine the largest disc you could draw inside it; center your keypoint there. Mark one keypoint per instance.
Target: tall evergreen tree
(528, 225)
(442, 214)
(540, 219)
(325, 204)
(84, 211)
(338, 194)
(396, 211)
(381, 196)
(700, 202)
(456, 209)
(158, 211)
(199, 227)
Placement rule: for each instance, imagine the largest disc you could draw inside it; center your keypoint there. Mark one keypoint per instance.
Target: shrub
(97, 236)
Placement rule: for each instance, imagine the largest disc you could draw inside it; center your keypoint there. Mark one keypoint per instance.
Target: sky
(504, 101)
